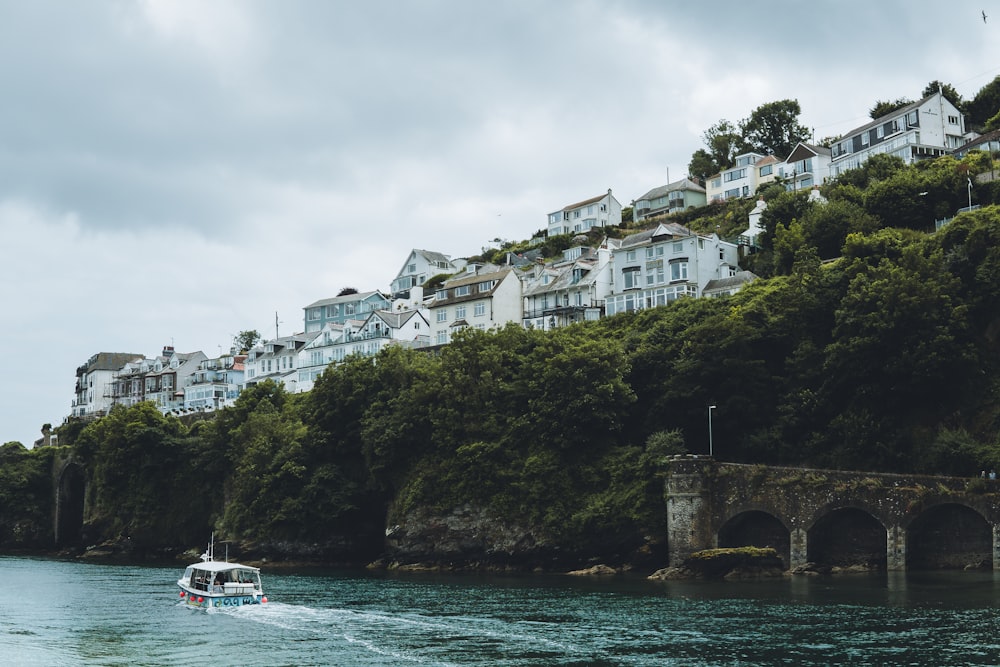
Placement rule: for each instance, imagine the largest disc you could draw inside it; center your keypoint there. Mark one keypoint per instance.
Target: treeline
(870, 344)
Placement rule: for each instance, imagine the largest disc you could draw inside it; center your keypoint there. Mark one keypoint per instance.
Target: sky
(173, 172)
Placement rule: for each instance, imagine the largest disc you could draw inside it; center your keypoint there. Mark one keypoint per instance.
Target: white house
(276, 360)
(418, 267)
(671, 198)
(740, 180)
(806, 166)
(366, 337)
(657, 266)
(483, 296)
(216, 384)
(600, 211)
(94, 381)
(928, 128)
(570, 290)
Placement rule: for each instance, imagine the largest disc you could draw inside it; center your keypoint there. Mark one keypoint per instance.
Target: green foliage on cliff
(25, 495)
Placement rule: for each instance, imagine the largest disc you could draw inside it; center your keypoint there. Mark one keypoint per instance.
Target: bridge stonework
(832, 516)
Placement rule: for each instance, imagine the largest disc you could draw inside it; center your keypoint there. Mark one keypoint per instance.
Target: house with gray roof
(569, 290)
(483, 296)
(600, 211)
(920, 130)
(93, 396)
(418, 267)
(671, 198)
(668, 262)
(341, 308)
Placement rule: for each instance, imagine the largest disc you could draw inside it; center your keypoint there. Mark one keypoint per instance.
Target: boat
(217, 584)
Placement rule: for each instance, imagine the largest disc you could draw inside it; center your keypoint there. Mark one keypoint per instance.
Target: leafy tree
(702, 165)
(245, 340)
(774, 128)
(984, 107)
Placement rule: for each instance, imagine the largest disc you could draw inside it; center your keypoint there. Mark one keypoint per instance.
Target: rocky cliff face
(469, 537)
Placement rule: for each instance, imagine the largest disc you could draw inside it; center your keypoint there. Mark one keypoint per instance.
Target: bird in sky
(984, 16)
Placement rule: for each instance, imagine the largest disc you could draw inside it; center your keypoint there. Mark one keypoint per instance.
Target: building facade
(600, 211)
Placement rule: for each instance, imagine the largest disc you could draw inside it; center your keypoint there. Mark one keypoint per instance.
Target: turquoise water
(66, 613)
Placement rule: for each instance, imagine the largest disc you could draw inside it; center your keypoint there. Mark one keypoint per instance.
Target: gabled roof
(562, 276)
(804, 151)
(881, 120)
(978, 141)
(681, 185)
(488, 272)
(395, 319)
(729, 282)
(348, 298)
(663, 230)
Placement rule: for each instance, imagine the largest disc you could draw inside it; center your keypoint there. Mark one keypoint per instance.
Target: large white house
(740, 180)
(366, 337)
(570, 290)
(657, 266)
(601, 211)
(276, 360)
(418, 267)
(94, 380)
(483, 297)
(216, 384)
(928, 128)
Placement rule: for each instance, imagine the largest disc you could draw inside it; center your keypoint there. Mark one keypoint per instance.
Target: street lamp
(710, 408)
(970, 192)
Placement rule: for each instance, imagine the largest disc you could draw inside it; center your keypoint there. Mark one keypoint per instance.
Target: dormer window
(463, 290)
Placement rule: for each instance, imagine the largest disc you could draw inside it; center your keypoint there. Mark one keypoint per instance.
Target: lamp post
(970, 192)
(710, 451)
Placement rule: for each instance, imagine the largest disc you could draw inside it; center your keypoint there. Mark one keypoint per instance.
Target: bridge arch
(70, 492)
(949, 535)
(847, 536)
(756, 528)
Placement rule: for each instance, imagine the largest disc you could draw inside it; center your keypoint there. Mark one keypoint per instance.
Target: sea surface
(68, 613)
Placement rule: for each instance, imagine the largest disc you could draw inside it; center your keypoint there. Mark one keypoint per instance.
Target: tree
(884, 107)
(984, 106)
(702, 166)
(774, 128)
(347, 291)
(245, 340)
(723, 143)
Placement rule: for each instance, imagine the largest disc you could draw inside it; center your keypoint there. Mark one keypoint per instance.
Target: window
(412, 268)
(459, 312)
(487, 286)
(766, 170)
(677, 246)
(314, 313)
(590, 210)
(735, 175)
(729, 194)
(479, 310)
(717, 182)
(463, 290)
(678, 270)
(630, 277)
(441, 337)
(953, 120)
(576, 214)
(650, 252)
(630, 256)
(442, 315)
(348, 309)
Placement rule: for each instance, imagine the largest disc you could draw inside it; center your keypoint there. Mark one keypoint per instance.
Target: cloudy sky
(175, 171)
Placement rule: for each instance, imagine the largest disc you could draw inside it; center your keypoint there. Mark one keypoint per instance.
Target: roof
(719, 284)
(347, 298)
(683, 184)
(978, 141)
(671, 229)
(110, 361)
(221, 566)
(902, 111)
(807, 151)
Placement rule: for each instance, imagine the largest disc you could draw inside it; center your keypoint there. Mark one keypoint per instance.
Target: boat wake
(415, 637)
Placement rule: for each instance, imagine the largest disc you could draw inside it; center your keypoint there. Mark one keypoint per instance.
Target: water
(66, 613)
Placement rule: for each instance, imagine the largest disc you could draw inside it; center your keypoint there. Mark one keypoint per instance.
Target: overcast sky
(173, 172)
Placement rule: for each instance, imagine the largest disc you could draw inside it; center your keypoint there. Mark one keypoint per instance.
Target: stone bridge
(833, 517)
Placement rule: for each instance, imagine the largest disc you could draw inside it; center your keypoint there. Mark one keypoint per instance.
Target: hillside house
(600, 211)
(671, 198)
(93, 396)
(570, 290)
(657, 266)
(216, 384)
(340, 309)
(482, 296)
